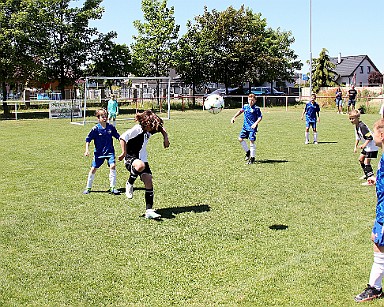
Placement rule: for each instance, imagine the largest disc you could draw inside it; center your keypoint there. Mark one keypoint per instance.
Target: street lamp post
(310, 47)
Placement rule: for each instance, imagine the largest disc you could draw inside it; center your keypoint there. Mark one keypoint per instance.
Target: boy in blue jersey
(102, 135)
(312, 114)
(368, 148)
(374, 287)
(252, 118)
(113, 110)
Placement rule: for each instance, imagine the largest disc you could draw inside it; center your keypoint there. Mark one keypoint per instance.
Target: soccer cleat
(251, 160)
(87, 191)
(151, 214)
(367, 183)
(315, 143)
(363, 177)
(246, 158)
(129, 190)
(369, 294)
(306, 142)
(114, 191)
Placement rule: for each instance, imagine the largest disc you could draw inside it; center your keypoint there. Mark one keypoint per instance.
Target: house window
(368, 69)
(361, 69)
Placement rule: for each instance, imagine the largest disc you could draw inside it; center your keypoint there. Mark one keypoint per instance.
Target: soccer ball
(214, 103)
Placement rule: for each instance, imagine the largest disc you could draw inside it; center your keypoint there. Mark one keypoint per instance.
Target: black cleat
(369, 294)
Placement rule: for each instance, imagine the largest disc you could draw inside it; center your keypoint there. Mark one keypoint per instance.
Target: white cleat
(151, 214)
(129, 190)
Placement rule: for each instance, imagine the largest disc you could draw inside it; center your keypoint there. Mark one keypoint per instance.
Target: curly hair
(149, 119)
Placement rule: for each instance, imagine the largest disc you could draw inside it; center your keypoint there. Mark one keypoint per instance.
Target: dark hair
(149, 119)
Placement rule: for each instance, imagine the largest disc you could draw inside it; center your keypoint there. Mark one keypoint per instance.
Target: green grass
(291, 230)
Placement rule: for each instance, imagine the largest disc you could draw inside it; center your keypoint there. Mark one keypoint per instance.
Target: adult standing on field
(352, 93)
(339, 101)
(113, 110)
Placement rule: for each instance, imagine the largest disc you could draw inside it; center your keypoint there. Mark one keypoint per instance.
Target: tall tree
(156, 42)
(68, 37)
(323, 73)
(110, 59)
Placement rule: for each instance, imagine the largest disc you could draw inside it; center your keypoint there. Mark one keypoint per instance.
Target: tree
(323, 73)
(375, 78)
(233, 47)
(68, 38)
(155, 45)
(110, 59)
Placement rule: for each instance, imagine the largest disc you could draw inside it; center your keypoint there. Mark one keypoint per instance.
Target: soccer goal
(132, 93)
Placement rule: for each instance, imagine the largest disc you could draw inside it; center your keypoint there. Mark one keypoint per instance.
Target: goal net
(133, 94)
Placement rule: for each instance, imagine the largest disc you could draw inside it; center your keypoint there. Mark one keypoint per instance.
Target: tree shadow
(271, 161)
(278, 227)
(170, 213)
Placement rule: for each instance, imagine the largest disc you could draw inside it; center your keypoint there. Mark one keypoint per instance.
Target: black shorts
(369, 154)
(128, 165)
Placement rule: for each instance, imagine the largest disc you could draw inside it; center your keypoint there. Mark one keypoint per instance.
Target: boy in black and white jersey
(134, 152)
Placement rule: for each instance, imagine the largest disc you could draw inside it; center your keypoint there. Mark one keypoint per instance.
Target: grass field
(291, 230)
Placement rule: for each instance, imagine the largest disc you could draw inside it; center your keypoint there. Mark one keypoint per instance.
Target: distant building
(353, 69)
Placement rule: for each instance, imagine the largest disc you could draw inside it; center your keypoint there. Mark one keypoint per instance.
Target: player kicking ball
(134, 153)
(252, 118)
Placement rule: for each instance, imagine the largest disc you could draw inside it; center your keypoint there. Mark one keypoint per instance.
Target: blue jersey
(103, 139)
(251, 115)
(380, 191)
(311, 110)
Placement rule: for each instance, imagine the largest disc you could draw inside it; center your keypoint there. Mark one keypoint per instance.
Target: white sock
(112, 177)
(244, 145)
(252, 149)
(315, 136)
(306, 136)
(377, 270)
(91, 177)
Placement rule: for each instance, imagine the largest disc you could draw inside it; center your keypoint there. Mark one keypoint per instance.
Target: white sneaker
(315, 143)
(151, 214)
(306, 143)
(129, 190)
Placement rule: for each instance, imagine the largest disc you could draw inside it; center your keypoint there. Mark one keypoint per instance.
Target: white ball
(214, 103)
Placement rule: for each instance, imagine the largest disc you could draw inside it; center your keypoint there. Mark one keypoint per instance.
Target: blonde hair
(100, 112)
(379, 125)
(354, 113)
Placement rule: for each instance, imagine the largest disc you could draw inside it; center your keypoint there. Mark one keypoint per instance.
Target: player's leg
(244, 135)
(362, 164)
(374, 287)
(96, 163)
(134, 167)
(146, 177)
(112, 179)
(314, 127)
(252, 147)
(306, 132)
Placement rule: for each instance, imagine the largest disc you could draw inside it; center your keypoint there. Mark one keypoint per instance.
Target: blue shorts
(248, 134)
(99, 160)
(377, 233)
(308, 124)
(339, 102)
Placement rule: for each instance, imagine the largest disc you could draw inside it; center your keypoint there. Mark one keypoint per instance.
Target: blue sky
(348, 27)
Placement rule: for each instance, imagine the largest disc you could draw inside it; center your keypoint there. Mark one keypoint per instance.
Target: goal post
(136, 91)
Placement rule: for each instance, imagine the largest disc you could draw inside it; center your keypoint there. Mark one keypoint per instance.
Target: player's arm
(86, 153)
(236, 115)
(123, 145)
(304, 111)
(165, 137)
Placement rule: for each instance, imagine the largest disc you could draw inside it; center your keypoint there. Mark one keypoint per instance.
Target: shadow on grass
(278, 227)
(272, 161)
(329, 142)
(170, 213)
